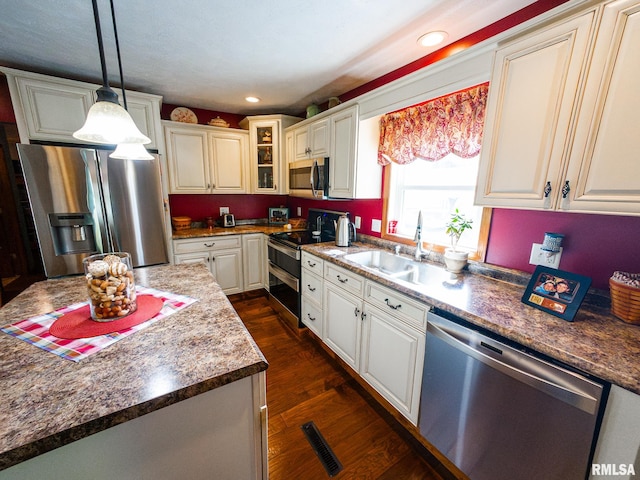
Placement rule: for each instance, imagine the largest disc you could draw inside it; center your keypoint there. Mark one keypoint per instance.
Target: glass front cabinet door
(267, 159)
(266, 147)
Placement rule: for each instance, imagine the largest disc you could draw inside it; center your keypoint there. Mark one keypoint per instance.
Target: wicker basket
(181, 223)
(625, 302)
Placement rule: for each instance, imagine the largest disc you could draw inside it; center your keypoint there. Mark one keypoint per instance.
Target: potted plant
(454, 259)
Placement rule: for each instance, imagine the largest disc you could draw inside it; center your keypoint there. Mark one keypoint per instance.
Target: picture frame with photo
(557, 292)
(278, 215)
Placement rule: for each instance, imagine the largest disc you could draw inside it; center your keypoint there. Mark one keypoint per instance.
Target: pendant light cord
(103, 63)
(115, 33)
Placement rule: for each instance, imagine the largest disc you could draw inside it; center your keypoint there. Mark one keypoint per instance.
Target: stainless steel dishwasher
(499, 412)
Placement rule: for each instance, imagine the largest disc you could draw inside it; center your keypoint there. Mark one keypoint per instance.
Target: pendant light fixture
(107, 122)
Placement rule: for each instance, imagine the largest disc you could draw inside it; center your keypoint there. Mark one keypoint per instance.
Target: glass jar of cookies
(111, 286)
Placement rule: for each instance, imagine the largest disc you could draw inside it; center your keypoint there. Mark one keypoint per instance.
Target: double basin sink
(391, 265)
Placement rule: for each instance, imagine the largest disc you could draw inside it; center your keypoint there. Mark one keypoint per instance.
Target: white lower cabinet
(377, 331)
(254, 260)
(238, 262)
(618, 448)
(222, 254)
(391, 360)
(311, 289)
(342, 323)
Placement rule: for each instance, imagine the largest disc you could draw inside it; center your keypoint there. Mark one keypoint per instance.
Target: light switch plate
(224, 210)
(376, 225)
(358, 221)
(542, 257)
(299, 211)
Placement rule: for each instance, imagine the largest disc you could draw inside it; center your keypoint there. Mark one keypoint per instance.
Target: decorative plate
(218, 122)
(184, 115)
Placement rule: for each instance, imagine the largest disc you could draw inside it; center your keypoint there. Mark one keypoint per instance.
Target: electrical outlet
(542, 257)
(299, 211)
(376, 225)
(224, 210)
(358, 221)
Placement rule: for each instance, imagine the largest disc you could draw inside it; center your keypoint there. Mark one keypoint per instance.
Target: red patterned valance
(434, 129)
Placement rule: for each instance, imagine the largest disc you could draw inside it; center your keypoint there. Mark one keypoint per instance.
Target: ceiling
(211, 53)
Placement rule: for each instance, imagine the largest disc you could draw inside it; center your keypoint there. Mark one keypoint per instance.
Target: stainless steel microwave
(309, 178)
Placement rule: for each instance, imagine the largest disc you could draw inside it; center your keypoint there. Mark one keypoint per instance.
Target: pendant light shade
(131, 151)
(107, 122)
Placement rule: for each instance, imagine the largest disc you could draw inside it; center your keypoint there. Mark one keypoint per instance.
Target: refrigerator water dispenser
(72, 233)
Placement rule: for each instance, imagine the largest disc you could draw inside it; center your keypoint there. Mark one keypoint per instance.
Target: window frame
(478, 255)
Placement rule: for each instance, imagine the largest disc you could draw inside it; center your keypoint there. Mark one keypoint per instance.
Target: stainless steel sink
(390, 265)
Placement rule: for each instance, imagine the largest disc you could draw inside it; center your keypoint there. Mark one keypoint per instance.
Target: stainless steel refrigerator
(84, 202)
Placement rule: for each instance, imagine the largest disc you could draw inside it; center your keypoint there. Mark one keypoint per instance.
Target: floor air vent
(328, 459)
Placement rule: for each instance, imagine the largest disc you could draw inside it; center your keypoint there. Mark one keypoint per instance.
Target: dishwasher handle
(536, 373)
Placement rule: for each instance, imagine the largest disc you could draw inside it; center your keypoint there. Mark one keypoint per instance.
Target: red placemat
(78, 323)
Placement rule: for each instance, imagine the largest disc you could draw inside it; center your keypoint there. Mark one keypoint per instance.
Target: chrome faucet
(418, 239)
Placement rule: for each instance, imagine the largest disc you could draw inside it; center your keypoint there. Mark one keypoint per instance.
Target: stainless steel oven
(284, 250)
(284, 278)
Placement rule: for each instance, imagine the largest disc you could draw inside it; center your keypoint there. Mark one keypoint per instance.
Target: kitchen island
(182, 398)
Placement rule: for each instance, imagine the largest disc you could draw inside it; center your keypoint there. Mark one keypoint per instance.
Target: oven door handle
(285, 276)
(290, 252)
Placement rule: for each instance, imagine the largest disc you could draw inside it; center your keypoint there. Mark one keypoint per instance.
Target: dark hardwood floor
(305, 384)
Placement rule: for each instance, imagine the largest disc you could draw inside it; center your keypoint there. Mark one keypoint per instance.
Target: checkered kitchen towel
(35, 330)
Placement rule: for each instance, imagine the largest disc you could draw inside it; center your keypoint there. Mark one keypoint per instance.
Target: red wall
(242, 206)
(367, 210)
(594, 245)
(6, 109)
(203, 115)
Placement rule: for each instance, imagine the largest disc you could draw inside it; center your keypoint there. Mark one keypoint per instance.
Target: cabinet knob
(356, 311)
(313, 319)
(566, 189)
(311, 289)
(342, 280)
(547, 189)
(363, 315)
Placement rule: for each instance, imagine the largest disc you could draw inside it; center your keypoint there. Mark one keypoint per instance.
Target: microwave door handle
(314, 169)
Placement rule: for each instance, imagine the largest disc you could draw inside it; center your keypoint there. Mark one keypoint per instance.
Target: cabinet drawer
(311, 316)
(221, 242)
(311, 286)
(312, 263)
(350, 282)
(402, 307)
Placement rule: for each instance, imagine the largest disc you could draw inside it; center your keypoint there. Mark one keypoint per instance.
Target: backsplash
(594, 245)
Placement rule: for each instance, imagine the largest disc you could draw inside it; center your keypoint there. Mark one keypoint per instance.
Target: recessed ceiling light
(252, 99)
(432, 39)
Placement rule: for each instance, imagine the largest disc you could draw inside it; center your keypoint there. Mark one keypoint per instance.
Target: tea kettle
(343, 231)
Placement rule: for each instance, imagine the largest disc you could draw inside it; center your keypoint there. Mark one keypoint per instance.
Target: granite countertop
(47, 401)
(595, 342)
(237, 230)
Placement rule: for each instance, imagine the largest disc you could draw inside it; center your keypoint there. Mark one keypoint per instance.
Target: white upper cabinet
(206, 159)
(562, 115)
(312, 140)
(268, 165)
(51, 109)
(353, 166)
(604, 166)
(532, 95)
